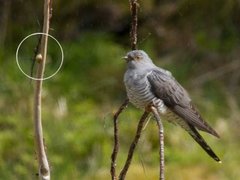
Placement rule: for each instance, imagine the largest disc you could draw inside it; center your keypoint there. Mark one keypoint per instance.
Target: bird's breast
(138, 89)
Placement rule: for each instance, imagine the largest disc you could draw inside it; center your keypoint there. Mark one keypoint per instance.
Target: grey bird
(148, 84)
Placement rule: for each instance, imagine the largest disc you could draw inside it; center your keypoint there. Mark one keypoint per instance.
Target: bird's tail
(199, 139)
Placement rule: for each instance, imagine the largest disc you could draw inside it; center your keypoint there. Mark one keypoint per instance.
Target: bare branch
(133, 33)
(133, 145)
(133, 40)
(44, 170)
(116, 139)
(161, 141)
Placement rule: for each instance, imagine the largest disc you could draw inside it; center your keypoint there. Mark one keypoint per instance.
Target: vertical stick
(161, 141)
(133, 146)
(116, 139)
(44, 170)
(133, 32)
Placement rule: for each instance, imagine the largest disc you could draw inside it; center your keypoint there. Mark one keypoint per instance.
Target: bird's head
(137, 58)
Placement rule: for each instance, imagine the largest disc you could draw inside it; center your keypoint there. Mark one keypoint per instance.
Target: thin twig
(116, 139)
(133, 33)
(161, 141)
(44, 170)
(146, 124)
(133, 146)
(34, 59)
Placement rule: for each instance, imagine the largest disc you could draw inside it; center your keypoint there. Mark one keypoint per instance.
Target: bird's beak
(125, 58)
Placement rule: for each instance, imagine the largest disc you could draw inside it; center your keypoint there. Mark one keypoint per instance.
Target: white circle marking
(33, 34)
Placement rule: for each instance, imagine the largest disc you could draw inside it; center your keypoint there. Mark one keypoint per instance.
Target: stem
(161, 141)
(133, 33)
(116, 139)
(44, 170)
(133, 146)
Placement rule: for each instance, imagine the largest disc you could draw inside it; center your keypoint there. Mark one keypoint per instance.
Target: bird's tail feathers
(199, 139)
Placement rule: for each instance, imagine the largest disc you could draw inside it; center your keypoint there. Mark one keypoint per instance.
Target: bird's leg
(159, 105)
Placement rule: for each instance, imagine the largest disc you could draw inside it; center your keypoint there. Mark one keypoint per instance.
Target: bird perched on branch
(148, 84)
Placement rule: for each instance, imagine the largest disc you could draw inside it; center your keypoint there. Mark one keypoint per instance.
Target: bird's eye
(138, 57)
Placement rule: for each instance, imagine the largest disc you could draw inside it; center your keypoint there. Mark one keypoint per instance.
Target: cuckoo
(148, 84)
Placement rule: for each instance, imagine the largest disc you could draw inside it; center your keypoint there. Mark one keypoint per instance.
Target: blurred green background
(198, 41)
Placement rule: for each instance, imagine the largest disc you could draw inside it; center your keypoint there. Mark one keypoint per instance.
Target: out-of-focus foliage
(198, 41)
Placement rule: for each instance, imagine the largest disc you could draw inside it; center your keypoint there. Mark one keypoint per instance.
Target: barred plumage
(138, 89)
(146, 83)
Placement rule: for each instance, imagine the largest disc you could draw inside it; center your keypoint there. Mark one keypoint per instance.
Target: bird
(147, 84)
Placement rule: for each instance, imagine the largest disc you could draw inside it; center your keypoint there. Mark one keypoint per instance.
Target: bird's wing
(175, 97)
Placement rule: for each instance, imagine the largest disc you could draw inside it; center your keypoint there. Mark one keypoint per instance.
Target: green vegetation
(190, 38)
